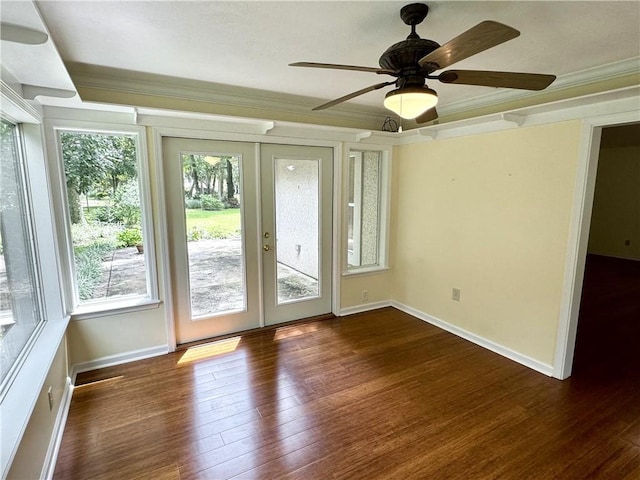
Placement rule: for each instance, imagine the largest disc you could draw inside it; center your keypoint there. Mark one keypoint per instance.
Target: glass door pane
(296, 215)
(213, 227)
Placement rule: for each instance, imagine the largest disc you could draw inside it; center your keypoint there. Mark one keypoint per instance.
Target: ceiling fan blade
(336, 66)
(352, 95)
(524, 81)
(427, 116)
(477, 39)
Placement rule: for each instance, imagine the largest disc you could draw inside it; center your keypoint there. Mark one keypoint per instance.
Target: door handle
(266, 248)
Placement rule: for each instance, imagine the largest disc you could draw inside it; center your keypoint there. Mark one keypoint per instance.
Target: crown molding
(263, 103)
(200, 125)
(138, 83)
(597, 105)
(563, 85)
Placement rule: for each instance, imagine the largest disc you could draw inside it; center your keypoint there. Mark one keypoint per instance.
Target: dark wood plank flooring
(379, 395)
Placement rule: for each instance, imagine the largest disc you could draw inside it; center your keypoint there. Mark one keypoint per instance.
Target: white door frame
(162, 232)
(588, 155)
(213, 323)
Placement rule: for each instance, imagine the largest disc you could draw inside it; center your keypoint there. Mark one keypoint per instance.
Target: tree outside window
(104, 208)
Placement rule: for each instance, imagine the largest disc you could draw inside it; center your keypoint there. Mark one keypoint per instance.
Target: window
(20, 302)
(366, 210)
(105, 190)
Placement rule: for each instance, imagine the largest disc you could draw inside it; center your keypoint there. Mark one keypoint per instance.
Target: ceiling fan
(414, 60)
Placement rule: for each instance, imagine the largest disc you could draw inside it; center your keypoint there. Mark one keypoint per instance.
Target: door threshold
(254, 331)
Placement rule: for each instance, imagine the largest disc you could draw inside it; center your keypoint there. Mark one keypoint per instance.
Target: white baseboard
(364, 307)
(483, 342)
(118, 359)
(58, 429)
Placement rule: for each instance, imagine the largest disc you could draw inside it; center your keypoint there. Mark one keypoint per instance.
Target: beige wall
(101, 337)
(377, 285)
(30, 457)
(488, 214)
(616, 205)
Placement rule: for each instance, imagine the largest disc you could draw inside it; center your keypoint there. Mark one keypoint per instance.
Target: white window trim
(385, 205)
(123, 304)
(23, 389)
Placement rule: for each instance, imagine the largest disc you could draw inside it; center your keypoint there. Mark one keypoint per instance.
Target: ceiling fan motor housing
(403, 56)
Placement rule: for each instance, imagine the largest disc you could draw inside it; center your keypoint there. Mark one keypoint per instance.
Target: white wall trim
(117, 359)
(245, 129)
(364, 307)
(163, 238)
(252, 130)
(224, 127)
(58, 429)
(15, 107)
(478, 340)
(337, 227)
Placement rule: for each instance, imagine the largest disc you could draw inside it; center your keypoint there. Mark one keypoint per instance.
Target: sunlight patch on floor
(209, 350)
(294, 331)
(98, 382)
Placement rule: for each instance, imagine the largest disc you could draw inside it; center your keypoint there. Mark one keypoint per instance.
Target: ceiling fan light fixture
(410, 102)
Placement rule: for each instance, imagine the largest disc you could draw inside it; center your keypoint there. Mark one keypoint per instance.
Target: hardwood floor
(379, 395)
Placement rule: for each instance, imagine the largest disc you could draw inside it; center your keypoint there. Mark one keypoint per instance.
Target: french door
(249, 234)
(296, 231)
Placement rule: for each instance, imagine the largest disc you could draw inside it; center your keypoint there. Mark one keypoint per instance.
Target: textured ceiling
(249, 44)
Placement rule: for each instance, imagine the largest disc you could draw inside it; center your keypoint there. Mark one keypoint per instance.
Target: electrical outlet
(365, 296)
(455, 294)
(50, 397)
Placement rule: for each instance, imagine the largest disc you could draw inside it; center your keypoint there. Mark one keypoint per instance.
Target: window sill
(359, 272)
(103, 309)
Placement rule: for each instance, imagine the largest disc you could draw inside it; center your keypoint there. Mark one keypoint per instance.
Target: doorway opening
(609, 315)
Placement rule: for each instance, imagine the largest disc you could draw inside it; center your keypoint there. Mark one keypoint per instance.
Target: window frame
(18, 399)
(121, 304)
(29, 227)
(384, 185)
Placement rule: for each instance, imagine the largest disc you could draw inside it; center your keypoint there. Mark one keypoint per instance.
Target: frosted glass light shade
(410, 102)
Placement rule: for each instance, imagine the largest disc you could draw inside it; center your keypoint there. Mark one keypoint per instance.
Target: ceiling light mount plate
(414, 13)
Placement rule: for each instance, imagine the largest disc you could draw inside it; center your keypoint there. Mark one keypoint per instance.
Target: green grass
(203, 224)
(89, 267)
